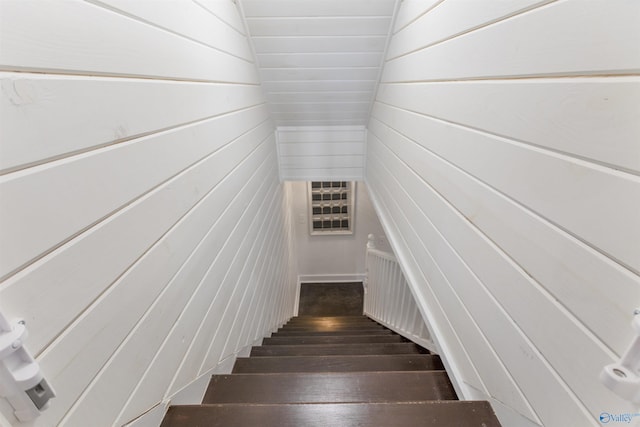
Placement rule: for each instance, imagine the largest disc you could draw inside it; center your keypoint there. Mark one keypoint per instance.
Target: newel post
(365, 284)
(371, 244)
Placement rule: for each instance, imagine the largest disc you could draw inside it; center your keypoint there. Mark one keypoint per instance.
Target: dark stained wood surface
(416, 414)
(288, 333)
(321, 320)
(401, 362)
(332, 327)
(313, 373)
(331, 299)
(344, 339)
(408, 386)
(335, 349)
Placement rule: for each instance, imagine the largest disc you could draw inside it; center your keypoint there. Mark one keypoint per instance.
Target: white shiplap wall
(319, 60)
(321, 153)
(136, 150)
(503, 159)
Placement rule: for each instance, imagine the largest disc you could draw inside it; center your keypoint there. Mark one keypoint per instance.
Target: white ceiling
(319, 60)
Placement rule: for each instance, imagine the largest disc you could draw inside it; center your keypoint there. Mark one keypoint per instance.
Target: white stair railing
(388, 299)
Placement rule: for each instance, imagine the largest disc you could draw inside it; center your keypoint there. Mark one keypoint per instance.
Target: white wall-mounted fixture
(21, 380)
(623, 377)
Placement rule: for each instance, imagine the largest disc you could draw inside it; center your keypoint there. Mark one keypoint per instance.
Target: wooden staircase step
(337, 349)
(323, 318)
(331, 320)
(331, 328)
(343, 339)
(368, 363)
(415, 414)
(333, 387)
(288, 333)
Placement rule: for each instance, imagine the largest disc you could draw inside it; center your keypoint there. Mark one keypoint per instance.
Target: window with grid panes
(331, 207)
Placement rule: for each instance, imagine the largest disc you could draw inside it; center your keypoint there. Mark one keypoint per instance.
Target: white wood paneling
(488, 53)
(69, 37)
(313, 60)
(575, 117)
(324, 8)
(514, 204)
(321, 153)
(120, 374)
(320, 174)
(319, 74)
(340, 86)
(139, 192)
(509, 224)
(337, 149)
(319, 107)
(353, 96)
(325, 26)
(412, 10)
(226, 11)
(70, 121)
(437, 26)
(83, 277)
(319, 45)
(40, 209)
(598, 194)
(186, 19)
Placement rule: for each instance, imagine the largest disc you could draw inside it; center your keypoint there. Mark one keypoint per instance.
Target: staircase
(333, 371)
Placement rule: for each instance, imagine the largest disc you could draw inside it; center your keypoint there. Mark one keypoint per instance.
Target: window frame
(351, 195)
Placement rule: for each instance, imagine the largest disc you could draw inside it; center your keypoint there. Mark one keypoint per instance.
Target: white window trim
(351, 212)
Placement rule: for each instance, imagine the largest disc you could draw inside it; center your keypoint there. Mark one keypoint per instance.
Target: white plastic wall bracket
(21, 381)
(623, 378)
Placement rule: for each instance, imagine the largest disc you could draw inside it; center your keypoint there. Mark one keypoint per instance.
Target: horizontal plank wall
(144, 232)
(321, 153)
(319, 61)
(503, 159)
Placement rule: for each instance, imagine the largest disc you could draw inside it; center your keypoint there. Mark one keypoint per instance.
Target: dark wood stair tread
(329, 321)
(337, 349)
(287, 333)
(332, 328)
(334, 387)
(415, 414)
(328, 339)
(400, 362)
(329, 318)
